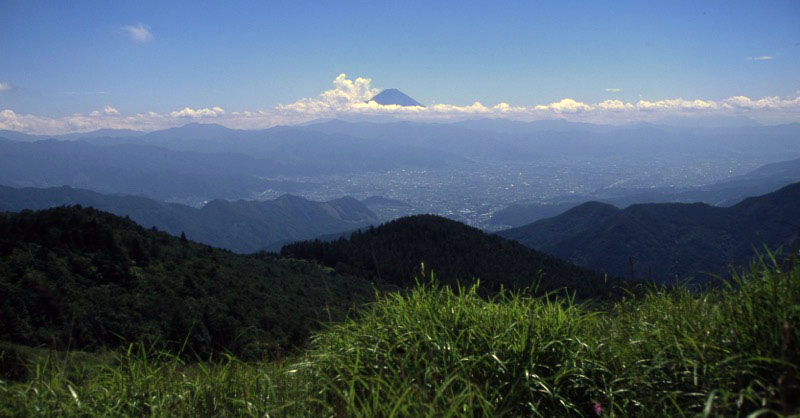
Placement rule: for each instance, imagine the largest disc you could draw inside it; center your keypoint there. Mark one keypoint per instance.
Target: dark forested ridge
(84, 279)
(392, 253)
(665, 240)
(242, 226)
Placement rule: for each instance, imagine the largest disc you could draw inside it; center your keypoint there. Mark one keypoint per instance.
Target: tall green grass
(728, 351)
(435, 351)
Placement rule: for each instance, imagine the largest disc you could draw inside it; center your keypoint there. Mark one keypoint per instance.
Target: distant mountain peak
(394, 97)
(197, 125)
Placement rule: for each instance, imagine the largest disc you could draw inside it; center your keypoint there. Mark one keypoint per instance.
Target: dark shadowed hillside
(85, 279)
(392, 253)
(666, 240)
(518, 214)
(554, 230)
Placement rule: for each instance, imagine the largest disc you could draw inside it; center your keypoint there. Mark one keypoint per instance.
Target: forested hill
(665, 240)
(392, 253)
(84, 279)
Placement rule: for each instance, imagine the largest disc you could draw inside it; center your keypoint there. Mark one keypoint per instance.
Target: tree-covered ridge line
(391, 254)
(85, 279)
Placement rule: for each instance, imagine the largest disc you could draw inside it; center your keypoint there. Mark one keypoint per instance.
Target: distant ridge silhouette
(394, 97)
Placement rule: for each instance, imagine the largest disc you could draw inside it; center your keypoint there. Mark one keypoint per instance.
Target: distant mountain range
(668, 240)
(506, 140)
(300, 151)
(762, 180)
(133, 169)
(541, 137)
(496, 139)
(241, 226)
(199, 162)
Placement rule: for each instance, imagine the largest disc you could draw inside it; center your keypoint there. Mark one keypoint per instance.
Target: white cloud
(5, 86)
(677, 104)
(565, 106)
(504, 107)
(761, 58)
(613, 90)
(350, 98)
(764, 103)
(107, 110)
(346, 95)
(139, 33)
(188, 112)
(108, 117)
(615, 105)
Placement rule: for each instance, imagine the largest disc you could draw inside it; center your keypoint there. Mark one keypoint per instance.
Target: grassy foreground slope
(731, 351)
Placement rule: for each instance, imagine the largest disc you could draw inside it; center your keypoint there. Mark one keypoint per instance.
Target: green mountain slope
(85, 279)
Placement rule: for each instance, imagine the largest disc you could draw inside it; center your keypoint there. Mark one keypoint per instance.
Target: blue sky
(59, 59)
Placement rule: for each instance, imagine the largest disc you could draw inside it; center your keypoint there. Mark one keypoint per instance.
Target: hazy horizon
(152, 66)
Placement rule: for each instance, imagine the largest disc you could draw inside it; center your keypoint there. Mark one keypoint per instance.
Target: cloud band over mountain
(350, 98)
